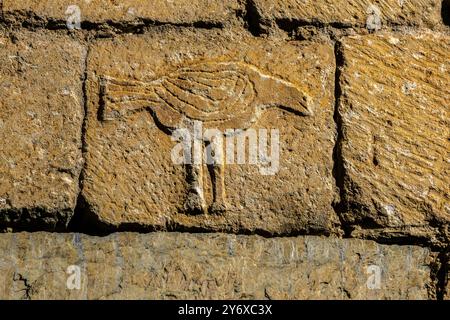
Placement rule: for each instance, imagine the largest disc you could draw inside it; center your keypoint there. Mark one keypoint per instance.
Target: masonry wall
(95, 95)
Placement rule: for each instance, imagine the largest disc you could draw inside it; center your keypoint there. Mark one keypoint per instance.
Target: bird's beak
(296, 101)
(274, 92)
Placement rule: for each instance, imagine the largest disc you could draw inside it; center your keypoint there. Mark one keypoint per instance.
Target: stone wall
(341, 111)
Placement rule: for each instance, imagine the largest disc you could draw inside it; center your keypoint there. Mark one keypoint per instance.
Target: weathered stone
(395, 121)
(101, 11)
(209, 266)
(355, 13)
(41, 115)
(155, 83)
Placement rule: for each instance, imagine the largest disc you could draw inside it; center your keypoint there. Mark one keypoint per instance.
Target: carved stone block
(210, 131)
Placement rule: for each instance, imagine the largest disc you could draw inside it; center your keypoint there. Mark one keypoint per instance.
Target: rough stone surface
(214, 266)
(41, 115)
(100, 11)
(355, 13)
(358, 91)
(130, 178)
(395, 114)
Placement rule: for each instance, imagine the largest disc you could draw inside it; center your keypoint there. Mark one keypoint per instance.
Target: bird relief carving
(216, 95)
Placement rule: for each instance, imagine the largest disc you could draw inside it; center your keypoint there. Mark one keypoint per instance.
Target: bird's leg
(195, 202)
(216, 168)
(219, 204)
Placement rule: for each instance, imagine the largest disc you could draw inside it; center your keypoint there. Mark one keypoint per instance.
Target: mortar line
(252, 23)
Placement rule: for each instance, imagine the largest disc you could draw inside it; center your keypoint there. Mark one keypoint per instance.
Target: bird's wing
(209, 92)
(120, 98)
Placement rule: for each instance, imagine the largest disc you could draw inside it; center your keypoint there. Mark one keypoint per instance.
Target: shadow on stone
(445, 12)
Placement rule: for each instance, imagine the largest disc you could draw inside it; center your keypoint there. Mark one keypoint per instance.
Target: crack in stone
(77, 210)
(1, 11)
(32, 21)
(445, 12)
(440, 272)
(28, 290)
(338, 161)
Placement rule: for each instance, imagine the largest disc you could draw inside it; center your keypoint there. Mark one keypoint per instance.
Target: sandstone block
(354, 13)
(101, 11)
(143, 88)
(208, 266)
(395, 116)
(41, 115)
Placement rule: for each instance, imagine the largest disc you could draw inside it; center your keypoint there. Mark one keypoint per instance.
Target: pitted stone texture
(351, 13)
(41, 115)
(101, 11)
(395, 115)
(209, 266)
(130, 177)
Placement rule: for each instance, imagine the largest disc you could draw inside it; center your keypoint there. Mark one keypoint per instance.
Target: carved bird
(222, 95)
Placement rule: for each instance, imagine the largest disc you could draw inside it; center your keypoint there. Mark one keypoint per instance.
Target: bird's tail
(120, 98)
